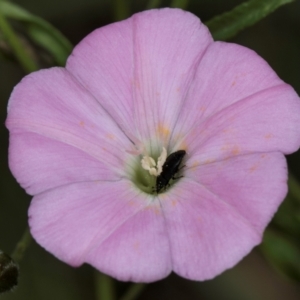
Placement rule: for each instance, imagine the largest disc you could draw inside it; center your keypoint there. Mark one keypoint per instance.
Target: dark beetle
(169, 169)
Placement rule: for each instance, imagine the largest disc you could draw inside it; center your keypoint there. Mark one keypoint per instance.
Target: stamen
(149, 164)
(161, 160)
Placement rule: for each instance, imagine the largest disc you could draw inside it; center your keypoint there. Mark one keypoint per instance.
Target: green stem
(24, 59)
(121, 9)
(180, 3)
(21, 246)
(104, 287)
(134, 291)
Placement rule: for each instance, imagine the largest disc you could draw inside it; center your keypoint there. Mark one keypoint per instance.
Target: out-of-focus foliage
(281, 245)
(248, 13)
(283, 252)
(276, 38)
(40, 31)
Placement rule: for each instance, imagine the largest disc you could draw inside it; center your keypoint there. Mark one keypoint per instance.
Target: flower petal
(216, 214)
(265, 122)
(138, 251)
(40, 163)
(118, 229)
(254, 184)
(51, 107)
(228, 75)
(143, 85)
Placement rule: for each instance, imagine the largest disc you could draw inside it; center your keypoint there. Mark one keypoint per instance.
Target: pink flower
(129, 90)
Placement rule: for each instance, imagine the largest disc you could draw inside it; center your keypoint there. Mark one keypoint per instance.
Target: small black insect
(169, 169)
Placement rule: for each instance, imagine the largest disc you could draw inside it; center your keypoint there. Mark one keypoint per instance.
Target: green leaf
(242, 16)
(19, 51)
(180, 3)
(134, 291)
(40, 31)
(153, 4)
(48, 42)
(105, 286)
(294, 188)
(281, 244)
(121, 9)
(287, 219)
(282, 253)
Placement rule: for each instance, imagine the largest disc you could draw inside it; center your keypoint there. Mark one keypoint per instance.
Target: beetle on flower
(87, 141)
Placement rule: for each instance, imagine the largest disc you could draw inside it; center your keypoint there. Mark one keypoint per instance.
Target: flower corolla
(87, 141)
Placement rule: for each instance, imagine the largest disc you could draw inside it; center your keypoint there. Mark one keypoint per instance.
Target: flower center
(149, 164)
(155, 176)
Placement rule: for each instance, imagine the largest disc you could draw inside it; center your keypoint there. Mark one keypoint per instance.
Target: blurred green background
(42, 277)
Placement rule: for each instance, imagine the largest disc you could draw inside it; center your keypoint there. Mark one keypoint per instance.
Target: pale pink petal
(144, 84)
(40, 163)
(254, 184)
(228, 74)
(216, 215)
(165, 67)
(103, 63)
(51, 105)
(266, 121)
(138, 250)
(111, 225)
